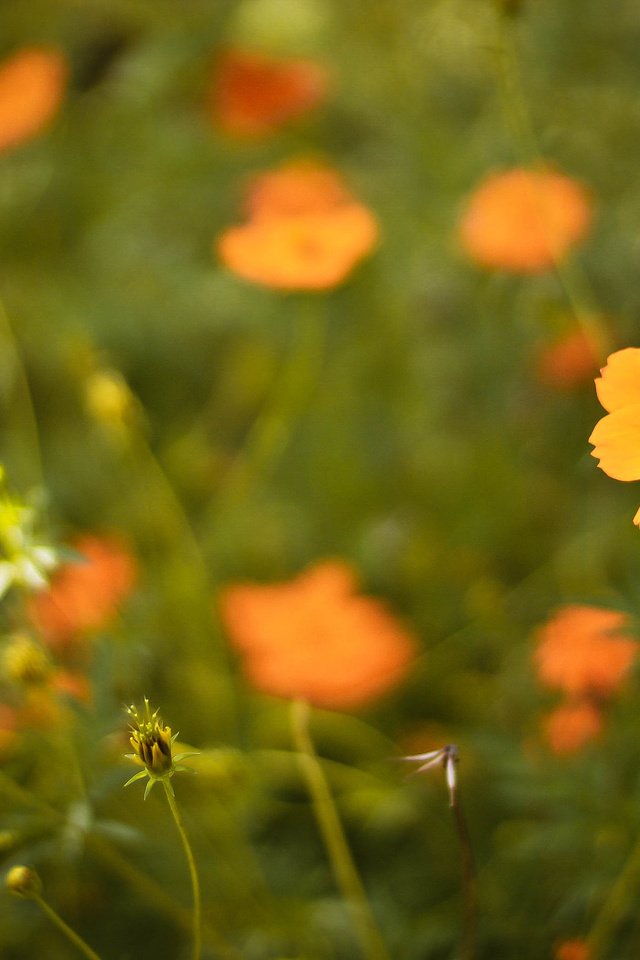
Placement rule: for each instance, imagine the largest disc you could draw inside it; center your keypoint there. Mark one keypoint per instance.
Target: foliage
(347, 447)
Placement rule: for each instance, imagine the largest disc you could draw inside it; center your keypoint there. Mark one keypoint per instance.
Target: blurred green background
(418, 443)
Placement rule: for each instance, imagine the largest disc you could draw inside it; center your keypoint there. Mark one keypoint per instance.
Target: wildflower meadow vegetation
(319, 433)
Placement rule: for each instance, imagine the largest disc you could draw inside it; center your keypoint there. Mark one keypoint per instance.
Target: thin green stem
(620, 902)
(28, 419)
(147, 463)
(172, 526)
(193, 871)
(65, 929)
(573, 283)
(272, 429)
(345, 872)
(149, 890)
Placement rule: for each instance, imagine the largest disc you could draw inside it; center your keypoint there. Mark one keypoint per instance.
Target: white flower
(24, 562)
(446, 757)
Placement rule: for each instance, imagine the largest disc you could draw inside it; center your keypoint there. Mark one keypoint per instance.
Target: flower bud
(151, 741)
(23, 882)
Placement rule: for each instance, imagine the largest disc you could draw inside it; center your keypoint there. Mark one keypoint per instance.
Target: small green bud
(23, 882)
(152, 745)
(151, 741)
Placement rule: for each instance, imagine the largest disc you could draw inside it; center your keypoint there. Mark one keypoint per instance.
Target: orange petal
(251, 94)
(317, 637)
(314, 251)
(570, 726)
(616, 439)
(572, 950)
(619, 383)
(32, 84)
(524, 220)
(297, 187)
(585, 650)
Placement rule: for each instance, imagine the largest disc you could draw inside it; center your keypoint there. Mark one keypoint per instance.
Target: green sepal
(136, 776)
(149, 787)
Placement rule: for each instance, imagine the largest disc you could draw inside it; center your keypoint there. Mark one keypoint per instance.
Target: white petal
(431, 755)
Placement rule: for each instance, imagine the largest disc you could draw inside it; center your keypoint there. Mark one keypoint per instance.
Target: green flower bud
(151, 741)
(152, 748)
(23, 882)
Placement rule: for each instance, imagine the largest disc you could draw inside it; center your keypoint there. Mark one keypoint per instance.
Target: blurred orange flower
(616, 437)
(32, 84)
(84, 595)
(583, 650)
(524, 220)
(572, 950)
(315, 637)
(296, 188)
(305, 231)
(251, 94)
(571, 725)
(567, 362)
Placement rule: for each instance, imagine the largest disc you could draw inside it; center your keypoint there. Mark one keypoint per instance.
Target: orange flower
(305, 232)
(312, 252)
(619, 383)
(572, 725)
(296, 189)
(583, 650)
(616, 437)
(84, 595)
(32, 84)
(568, 361)
(572, 950)
(316, 637)
(524, 220)
(251, 95)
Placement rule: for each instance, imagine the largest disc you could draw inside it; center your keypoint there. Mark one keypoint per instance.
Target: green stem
(574, 285)
(27, 414)
(138, 457)
(618, 904)
(149, 890)
(335, 842)
(65, 929)
(195, 881)
(147, 464)
(272, 429)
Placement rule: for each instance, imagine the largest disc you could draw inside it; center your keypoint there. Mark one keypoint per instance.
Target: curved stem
(335, 842)
(572, 282)
(148, 889)
(272, 429)
(65, 929)
(193, 871)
